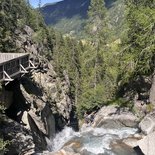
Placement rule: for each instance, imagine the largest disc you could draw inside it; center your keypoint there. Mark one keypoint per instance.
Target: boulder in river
(115, 117)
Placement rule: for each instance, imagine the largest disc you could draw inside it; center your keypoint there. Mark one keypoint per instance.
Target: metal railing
(13, 64)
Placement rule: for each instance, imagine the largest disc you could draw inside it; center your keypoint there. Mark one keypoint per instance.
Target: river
(94, 141)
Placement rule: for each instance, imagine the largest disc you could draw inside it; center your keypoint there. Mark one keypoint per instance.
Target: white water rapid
(96, 141)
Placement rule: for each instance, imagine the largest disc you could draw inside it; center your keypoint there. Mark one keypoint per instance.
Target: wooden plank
(6, 57)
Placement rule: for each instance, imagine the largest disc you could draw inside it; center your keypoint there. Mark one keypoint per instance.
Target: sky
(35, 3)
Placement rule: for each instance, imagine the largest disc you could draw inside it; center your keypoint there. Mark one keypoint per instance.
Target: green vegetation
(2, 145)
(72, 19)
(2, 142)
(14, 15)
(150, 107)
(109, 65)
(138, 48)
(104, 71)
(93, 60)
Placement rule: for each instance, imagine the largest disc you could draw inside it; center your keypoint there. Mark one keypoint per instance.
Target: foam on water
(98, 140)
(61, 138)
(94, 140)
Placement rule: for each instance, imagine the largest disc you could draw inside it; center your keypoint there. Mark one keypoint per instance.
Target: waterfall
(94, 140)
(61, 138)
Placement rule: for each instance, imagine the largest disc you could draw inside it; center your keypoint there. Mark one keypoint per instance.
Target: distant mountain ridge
(64, 9)
(70, 15)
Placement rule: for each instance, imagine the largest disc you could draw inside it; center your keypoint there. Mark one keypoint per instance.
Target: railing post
(19, 64)
(3, 73)
(14, 64)
(32, 65)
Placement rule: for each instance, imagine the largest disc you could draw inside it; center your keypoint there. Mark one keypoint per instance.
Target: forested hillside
(69, 16)
(101, 69)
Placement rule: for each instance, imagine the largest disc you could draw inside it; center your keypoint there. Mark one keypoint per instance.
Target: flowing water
(94, 141)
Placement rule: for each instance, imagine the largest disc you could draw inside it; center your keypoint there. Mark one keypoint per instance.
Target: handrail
(13, 65)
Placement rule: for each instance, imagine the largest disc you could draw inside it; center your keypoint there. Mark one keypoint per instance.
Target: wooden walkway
(13, 65)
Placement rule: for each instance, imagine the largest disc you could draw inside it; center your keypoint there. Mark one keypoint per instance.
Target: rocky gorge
(90, 94)
(111, 133)
(39, 107)
(39, 104)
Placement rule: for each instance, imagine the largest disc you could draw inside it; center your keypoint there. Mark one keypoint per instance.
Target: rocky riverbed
(114, 131)
(111, 133)
(91, 141)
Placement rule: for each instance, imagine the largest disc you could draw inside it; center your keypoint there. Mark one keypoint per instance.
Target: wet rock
(70, 148)
(122, 149)
(39, 138)
(63, 152)
(85, 152)
(131, 142)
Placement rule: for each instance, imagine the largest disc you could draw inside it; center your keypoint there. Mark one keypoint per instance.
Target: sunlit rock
(147, 125)
(114, 117)
(147, 144)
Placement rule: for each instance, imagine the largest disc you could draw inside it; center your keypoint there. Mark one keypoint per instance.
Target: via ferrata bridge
(13, 65)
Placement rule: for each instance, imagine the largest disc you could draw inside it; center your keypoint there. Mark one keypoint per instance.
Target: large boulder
(62, 152)
(37, 99)
(70, 148)
(56, 91)
(131, 141)
(21, 140)
(114, 117)
(123, 149)
(147, 125)
(152, 91)
(147, 144)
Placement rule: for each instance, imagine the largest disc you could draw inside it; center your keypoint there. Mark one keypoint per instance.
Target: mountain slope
(65, 9)
(66, 16)
(69, 16)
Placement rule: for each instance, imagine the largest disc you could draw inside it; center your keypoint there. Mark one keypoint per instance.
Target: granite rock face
(114, 117)
(152, 91)
(147, 125)
(21, 138)
(147, 144)
(36, 100)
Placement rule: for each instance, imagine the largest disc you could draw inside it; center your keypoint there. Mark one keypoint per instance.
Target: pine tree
(137, 57)
(28, 3)
(93, 66)
(96, 15)
(97, 28)
(39, 4)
